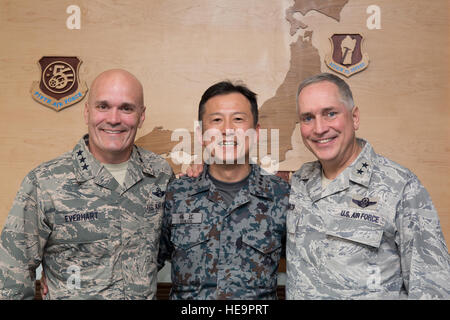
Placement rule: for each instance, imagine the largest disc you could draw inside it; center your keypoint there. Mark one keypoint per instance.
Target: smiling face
(227, 127)
(113, 114)
(328, 126)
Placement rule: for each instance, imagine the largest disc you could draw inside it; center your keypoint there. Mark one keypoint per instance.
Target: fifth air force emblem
(59, 85)
(346, 54)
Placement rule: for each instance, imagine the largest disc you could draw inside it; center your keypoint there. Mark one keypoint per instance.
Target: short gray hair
(344, 89)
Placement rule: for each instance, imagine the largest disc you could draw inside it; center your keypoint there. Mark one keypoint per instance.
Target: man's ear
(199, 132)
(257, 132)
(86, 113)
(142, 117)
(355, 117)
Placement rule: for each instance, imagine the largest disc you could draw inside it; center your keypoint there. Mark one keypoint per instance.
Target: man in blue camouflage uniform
(93, 215)
(223, 231)
(360, 226)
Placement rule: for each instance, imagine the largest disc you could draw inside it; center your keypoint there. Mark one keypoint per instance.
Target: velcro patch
(193, 217)
(361, 202)
(361, 215)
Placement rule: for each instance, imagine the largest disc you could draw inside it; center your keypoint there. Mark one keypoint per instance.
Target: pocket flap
(261, 242)
(188, 235)
(81, 226)
(355, 230)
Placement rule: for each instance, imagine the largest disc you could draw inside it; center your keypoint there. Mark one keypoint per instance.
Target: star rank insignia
(361, 170)
(82, 160)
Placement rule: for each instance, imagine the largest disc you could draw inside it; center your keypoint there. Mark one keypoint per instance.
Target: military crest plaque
(59, 85)
(346, 55)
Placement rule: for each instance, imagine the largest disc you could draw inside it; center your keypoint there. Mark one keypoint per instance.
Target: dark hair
(226, 87)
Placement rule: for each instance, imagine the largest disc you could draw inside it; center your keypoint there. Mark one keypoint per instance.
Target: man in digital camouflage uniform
(93, 215)
(359, 226)
(223, 230)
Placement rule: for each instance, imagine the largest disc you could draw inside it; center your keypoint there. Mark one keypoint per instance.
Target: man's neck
(111, 157)
(332, 170)
(229, 172)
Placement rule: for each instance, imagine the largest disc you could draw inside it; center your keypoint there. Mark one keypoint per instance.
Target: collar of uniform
(310, 170)
(311, 173)
(201, 183)
(141, 162)
(136, 169)
(258, 185)
(87, 167)
(360, 170)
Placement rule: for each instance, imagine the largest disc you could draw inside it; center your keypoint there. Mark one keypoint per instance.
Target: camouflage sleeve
(22, 242)
(165, 247)
(424, 255)
(285, 205)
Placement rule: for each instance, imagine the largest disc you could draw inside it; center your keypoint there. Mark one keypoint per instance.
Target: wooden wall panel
(179, 48)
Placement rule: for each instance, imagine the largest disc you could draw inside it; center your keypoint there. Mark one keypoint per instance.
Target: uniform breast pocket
(148, 231)
(187, 236)
(260, 254)
(154, 205)
(81, 226)
(357, 226)
(190, 255)
(153, 213)
(80, 246)
(262, 243)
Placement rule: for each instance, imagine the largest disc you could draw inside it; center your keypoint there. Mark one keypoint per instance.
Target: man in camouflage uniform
(223, 230)
(95, 231)
(359, 226)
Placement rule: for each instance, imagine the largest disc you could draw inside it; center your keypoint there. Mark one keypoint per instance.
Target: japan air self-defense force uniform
(96, 239)
(373, 232)
(219, 251)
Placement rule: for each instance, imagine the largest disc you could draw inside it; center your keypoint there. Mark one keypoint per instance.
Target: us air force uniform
(96, 239)
(373, 232)
(219, 251)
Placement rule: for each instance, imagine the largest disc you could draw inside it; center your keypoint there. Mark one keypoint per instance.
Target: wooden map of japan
(279, 111)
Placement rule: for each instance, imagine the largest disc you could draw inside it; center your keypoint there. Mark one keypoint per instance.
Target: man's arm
(22, 243)
(165, 248)
(424, 254)
(165, 245)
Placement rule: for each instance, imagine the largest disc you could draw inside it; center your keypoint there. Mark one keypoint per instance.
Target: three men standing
(358, 224)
